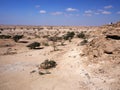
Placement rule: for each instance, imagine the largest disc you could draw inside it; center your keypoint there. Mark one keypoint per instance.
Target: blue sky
(59, 12)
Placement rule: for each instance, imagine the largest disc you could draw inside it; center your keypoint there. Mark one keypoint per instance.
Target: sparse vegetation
(87, 57)
(85, 41)
(23, 41)
(45, 44)
(81, 35)
(54, 40)
(1, 29)
(47, 64)
(46, 36)
(40, 28)
(44, 73)
(17, 37)
(115, 37)
(33, 45)
(37, 36)
(5, 36)
(62, 42)
(69, 35)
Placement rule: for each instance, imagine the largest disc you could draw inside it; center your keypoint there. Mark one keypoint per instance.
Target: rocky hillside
(105, 46)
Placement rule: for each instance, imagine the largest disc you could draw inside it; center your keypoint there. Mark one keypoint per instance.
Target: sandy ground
(71, 73)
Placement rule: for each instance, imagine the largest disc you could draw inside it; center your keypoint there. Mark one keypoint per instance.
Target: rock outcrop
(105, 47)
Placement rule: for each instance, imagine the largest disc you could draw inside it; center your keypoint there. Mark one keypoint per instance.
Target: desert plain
(89, 59)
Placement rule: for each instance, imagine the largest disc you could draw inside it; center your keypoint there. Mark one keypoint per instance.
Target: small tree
(17, 37)
(54, 39)
(33, 45)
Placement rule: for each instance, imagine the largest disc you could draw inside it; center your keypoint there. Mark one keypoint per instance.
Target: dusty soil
(74, 70)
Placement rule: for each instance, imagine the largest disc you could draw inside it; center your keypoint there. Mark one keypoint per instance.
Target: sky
(59, 12)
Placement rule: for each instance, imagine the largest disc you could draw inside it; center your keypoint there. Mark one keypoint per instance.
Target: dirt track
(71, 72)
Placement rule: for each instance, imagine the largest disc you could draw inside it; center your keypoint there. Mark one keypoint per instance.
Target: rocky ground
(93, 66)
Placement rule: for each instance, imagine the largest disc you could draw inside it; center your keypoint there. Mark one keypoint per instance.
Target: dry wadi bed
(92, 65)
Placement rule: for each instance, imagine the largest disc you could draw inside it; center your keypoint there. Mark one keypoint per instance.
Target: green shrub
(81, 35)
(5, 36)
(47, 64)
(69, 35)
(17, 37)
(33, 45)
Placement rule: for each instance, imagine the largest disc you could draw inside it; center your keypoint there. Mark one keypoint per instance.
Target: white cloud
(71, 9)
(100, 11)
(108, 7)
(88, 13)
(37, 6)
(57, 13)
(70, 14)
(118, 12)
(43, 11)
(106, 12)
(96, 13)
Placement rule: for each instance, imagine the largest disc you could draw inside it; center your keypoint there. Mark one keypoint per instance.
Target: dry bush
(33, 45)
(69, 35)
(84, 42)
(17, 37)
(48, 64)
(5, 36)
(81, 35)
